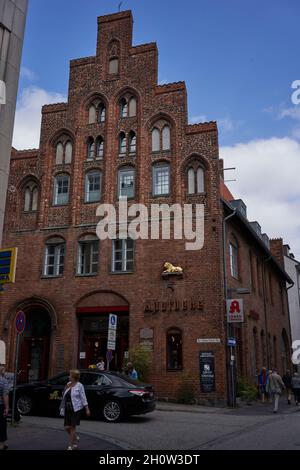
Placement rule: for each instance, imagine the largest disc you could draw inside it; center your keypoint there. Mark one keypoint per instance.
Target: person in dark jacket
(262, 383)
(287, 380)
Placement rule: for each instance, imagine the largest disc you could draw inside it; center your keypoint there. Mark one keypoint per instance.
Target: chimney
(276, 248)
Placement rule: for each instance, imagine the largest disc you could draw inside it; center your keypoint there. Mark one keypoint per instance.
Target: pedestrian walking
(73, 402)
(287, 380)
(262, 383)
(131, 372)
(100, 364)
(275, 387)
(296, 387)
(4, 406)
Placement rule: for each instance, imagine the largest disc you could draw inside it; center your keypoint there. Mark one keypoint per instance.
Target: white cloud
(28, 116)
(28, 74)
(267, 173)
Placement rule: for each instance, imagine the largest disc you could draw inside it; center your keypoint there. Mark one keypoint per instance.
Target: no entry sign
(20, 322)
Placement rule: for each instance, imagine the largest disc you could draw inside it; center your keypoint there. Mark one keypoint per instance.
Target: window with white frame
(101, 113)
(93, 186)
(91, 149)
(132, 142)
(123, 255)
(122, 143)
(233, 254)
(54, 257)
(88, 255)
(126, 182)
(161, 180)
(100, 148)
(123, 108)
(61, 190)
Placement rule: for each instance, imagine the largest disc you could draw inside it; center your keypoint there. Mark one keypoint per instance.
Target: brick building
(120, 133)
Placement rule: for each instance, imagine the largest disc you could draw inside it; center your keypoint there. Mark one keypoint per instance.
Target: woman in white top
(73, 402)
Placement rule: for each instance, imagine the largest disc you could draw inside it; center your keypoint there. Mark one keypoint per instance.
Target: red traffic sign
(20, 322)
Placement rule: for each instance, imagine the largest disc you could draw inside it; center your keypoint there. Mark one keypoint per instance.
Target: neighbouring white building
(292, 267)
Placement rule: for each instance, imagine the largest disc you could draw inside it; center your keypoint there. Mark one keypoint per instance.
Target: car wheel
(24, 405)
(112, 411)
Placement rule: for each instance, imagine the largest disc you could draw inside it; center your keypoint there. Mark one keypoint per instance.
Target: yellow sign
(8, 263)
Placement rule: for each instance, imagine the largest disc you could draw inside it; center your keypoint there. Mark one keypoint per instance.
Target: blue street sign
(231, 342)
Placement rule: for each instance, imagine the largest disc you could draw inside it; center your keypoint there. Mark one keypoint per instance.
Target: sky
(238, 59)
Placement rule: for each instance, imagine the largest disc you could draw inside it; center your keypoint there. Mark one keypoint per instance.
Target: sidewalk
(28, 436)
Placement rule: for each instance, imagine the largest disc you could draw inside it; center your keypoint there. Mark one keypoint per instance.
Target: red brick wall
(203, 270)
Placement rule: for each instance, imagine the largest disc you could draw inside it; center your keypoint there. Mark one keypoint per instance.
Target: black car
(110, 395)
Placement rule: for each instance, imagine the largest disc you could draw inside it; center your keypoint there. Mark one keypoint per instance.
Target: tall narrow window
(123, 108)
(166, 138)
(100, 148)
(132, 142)
(35, 196)
(27, 205)
(122, 144)
(91, 149)
(200, 180)
(113, 66)
(174, 349)
(132, 107)
(161, 180)
(233, 252)
(68, 152)
(191, 181)
(126, 183)
(102, 113)
(61, 190)
(54, 257)
(123, 255)
(92, 114)
(93, 186)
(59, 153)
(31, 197)
(155, 140)
(88, 254)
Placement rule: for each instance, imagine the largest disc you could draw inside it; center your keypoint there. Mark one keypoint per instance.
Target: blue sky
(238, 58)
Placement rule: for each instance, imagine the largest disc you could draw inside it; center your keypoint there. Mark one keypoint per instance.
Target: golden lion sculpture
(169, 268)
